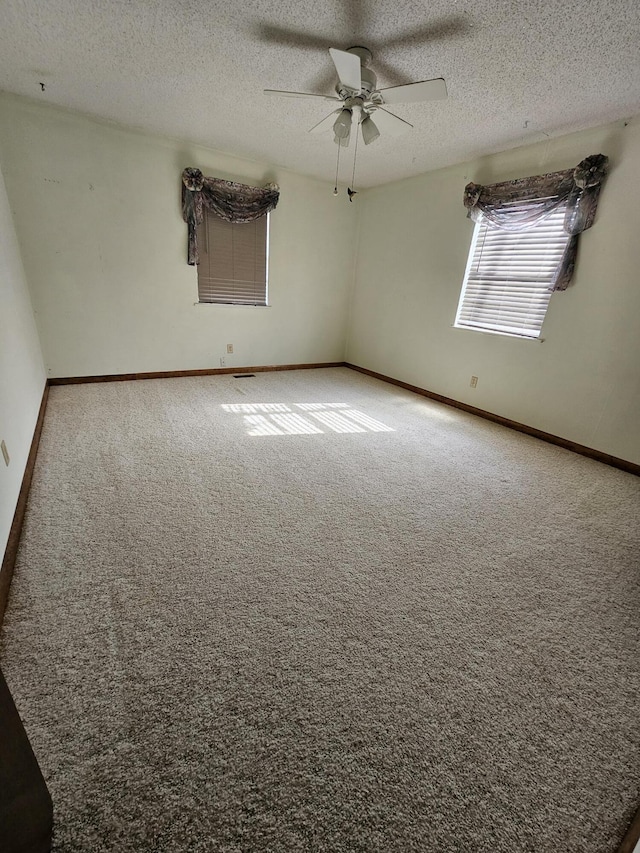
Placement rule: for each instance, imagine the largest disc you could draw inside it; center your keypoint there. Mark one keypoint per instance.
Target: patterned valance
(230, 201)
(517, 205)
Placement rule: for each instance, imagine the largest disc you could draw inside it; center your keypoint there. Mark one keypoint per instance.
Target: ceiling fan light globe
(369, 130)
(342, 125)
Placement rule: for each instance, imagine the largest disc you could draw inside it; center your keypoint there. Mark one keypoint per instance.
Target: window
(506, 284)
(233, 260)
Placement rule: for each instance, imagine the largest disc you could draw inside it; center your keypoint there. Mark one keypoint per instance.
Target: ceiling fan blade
(390, 124)
(282, 94)
(412, 93)
(326, 123)
(348, 68)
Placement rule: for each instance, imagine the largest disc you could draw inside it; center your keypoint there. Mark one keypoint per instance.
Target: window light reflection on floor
(365, 420)
(337, 422)
(314, 407)
(250, 408)
(318, 418)
(295, 424)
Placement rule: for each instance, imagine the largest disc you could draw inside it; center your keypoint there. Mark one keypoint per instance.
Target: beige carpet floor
(308, 611)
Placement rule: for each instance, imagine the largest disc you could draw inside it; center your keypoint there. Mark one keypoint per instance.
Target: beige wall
(583, 381)
(104, 245)
(22, 375)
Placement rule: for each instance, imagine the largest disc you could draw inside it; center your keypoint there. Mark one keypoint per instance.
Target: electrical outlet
(5, 452)
(223, 361)
(229, 348)
(474, 381)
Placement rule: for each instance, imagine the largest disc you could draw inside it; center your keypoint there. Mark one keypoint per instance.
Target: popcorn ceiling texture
(516, 71)
(244, 620)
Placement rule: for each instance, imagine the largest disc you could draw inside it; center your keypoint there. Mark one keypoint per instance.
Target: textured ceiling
(516, 70)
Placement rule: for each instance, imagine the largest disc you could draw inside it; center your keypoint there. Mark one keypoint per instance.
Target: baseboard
(614, 461)
(11, 551)
(173, 374)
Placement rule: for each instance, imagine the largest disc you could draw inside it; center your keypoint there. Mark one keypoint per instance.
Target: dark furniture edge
(11, 551)
(614, 461)
(632, 837)
(26, 810)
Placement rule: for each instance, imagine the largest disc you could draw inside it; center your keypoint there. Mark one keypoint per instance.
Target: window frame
(233, 302)
(489, 325)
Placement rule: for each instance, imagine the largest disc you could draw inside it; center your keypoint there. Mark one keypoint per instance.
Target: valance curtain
(517, 205)
(230, 201)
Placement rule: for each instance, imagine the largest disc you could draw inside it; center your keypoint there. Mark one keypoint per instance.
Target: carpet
(309, 611)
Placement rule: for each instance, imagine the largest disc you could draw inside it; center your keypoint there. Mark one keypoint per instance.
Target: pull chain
(335, 189)
(351, 190)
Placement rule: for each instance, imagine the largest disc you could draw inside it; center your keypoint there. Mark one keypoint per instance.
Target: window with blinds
(233, 260)
(506, 284)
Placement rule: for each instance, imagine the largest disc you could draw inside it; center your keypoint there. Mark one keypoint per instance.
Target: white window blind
(233, 261)
(506, 284)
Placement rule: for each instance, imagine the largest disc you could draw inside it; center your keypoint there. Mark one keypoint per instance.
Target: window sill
(231, 305)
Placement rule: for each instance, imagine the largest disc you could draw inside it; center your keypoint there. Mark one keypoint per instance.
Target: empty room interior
(320, 424)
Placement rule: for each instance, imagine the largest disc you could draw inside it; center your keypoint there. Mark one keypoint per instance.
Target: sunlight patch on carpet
(280, 419)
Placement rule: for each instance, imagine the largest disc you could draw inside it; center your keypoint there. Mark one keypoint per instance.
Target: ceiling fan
(360, 99)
